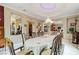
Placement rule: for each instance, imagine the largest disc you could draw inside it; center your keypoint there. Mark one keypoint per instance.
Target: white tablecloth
(38, 43)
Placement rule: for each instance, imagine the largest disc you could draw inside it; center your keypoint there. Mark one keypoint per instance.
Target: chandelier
(48, 20)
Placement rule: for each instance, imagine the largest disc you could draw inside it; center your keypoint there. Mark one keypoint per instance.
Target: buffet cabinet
(75, 39)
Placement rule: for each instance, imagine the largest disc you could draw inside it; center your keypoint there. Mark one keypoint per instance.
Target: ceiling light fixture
(48, 6)
(48, 20)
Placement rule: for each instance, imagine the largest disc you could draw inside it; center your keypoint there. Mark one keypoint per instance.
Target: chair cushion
(23, 52)
(46, 52)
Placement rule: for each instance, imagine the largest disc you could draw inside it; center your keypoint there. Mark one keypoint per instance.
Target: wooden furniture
(38, 43)
(4, 49)
(12, 50)
(1, 26)
(8, 44)
(2, 43)
(56, 46)
(1, 22)
(30, 29)
(75, 38)
(18, 41)
(75, 35)
(25, 37)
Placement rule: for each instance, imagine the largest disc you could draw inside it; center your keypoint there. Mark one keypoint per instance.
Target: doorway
(30, 28)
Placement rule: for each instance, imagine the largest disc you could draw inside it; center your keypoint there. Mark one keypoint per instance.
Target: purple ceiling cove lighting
(48, 7)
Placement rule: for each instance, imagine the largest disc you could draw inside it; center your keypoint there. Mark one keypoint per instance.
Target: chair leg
(21, 48)
(55, 52)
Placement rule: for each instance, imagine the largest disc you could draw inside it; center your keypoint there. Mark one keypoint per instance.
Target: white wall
(70, 20)
(7, 21)
(7, 18)
(77, 26)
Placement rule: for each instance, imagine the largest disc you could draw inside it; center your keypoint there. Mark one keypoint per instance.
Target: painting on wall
(53, 27)
(72, 24)
(15, 27)
(71, 28)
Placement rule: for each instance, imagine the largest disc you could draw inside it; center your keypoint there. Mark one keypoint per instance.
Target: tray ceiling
(43, 10)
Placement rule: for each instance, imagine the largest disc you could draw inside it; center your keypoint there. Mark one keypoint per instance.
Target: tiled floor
(69, 48)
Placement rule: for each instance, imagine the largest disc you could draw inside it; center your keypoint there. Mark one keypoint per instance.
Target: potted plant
(71, 30)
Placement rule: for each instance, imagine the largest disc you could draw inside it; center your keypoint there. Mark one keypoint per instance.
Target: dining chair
(25, 37)
(41, 33)
(52, 50)
(59, 48)
(55, 49)
(18, 41)
(59, 44)
(10, 46)
(3, 47)
(33, 35)
(12, 50)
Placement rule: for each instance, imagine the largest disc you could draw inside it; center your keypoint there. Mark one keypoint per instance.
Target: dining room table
(39, 43)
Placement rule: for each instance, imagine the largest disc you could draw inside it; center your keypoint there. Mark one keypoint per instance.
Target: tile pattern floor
(70, 48)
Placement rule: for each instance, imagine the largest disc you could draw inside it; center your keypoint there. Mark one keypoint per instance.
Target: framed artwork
(72, 24)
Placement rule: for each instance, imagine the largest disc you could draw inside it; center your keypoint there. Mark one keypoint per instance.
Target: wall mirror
(46, 28)
(16, 25)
